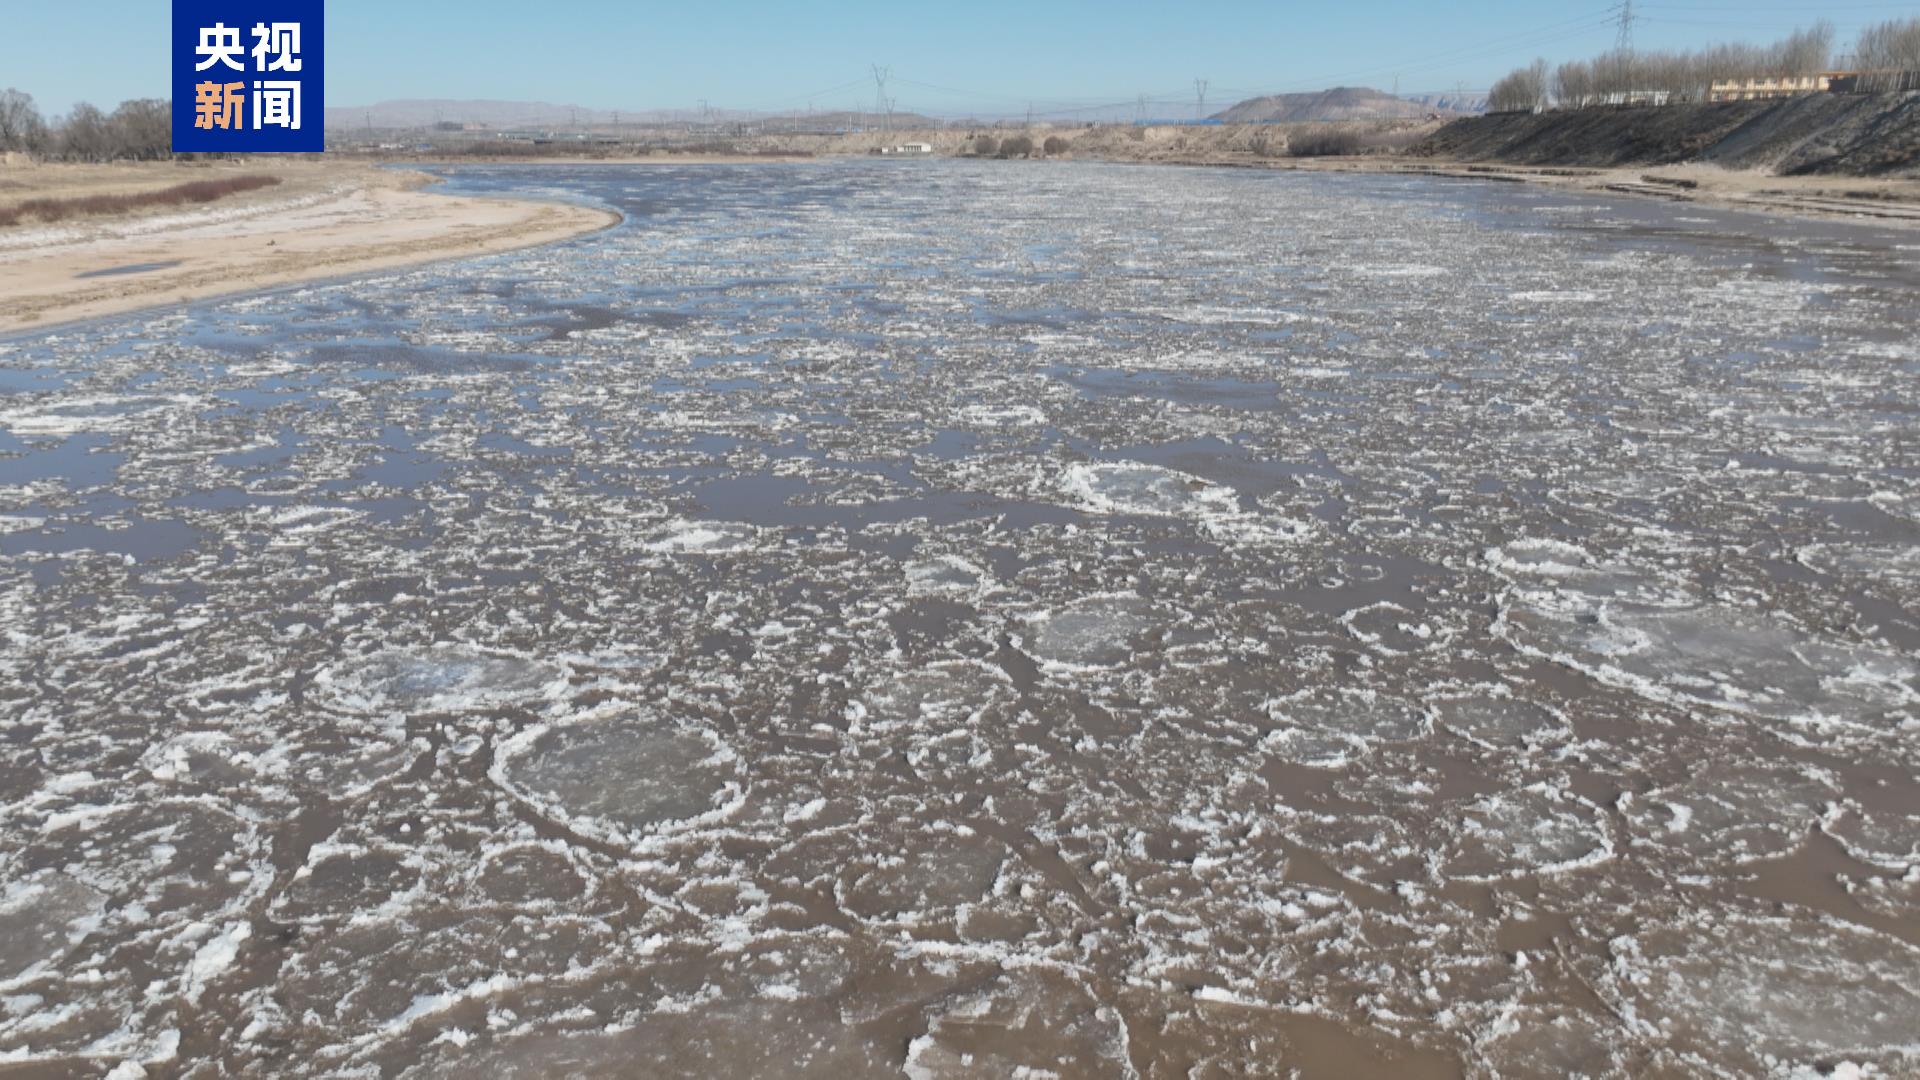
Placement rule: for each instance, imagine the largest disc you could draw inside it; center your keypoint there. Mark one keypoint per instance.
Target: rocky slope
(1828, 134)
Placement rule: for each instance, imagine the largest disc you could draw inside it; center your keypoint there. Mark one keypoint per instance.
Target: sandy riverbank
(325, 219)
(1893, 202)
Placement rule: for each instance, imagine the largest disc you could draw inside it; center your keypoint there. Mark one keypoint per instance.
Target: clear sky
(987, 57)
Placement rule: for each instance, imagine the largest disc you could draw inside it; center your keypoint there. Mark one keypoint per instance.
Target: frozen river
(864, 618)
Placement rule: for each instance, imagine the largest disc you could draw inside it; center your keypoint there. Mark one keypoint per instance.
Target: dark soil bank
(1868, 135)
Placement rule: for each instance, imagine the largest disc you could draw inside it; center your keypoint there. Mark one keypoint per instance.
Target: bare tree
(1522, 90)
(1887, 49)
(84, 135)
(141, 129)
(1573, 84)
(21, 128)
(1806, 52)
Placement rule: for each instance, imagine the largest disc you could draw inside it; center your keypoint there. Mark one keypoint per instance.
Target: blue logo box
(248, 76)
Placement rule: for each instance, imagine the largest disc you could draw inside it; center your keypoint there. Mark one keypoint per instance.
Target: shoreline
(359, 221)
(1861, 200)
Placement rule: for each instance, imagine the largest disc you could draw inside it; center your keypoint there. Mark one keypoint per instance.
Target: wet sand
(330, 220)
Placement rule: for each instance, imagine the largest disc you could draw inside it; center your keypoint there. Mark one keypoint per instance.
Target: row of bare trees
(139, 130)
(1687, 75)
(1887, 52)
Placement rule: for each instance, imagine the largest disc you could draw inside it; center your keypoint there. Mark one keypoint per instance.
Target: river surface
(946, 618)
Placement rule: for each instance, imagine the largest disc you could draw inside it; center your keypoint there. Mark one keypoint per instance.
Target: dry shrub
(194, 191)
(1325, 142)
(1334, 140)
(986, 146)
(1055, 145)
(1017, 146)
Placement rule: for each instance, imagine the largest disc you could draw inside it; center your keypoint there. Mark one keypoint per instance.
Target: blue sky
(989, 57)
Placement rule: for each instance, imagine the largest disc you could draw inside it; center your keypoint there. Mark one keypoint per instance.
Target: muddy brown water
(951, 618)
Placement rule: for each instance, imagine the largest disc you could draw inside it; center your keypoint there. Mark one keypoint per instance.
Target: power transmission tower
(1140, 110)
(1623, 42)
(880, 104)
(1199, 99)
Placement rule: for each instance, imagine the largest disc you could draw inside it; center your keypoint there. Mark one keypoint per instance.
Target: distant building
(906, 148)
(1634, 97)
(1781, 86)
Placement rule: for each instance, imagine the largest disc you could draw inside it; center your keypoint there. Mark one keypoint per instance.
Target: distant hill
(425, 112)
(413, 114)
(1339, 103)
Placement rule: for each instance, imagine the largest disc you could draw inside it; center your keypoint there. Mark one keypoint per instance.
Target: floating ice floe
(621, 775)
(1130, 488)
(1497, 718)
(945, 575)
(64, 416)
(1023, 1023)
(1330, 730)
(1525, 833)
(439, 678)
(1757, 992)
(1097, 632)
(703, 538)
(939, 697)
(1725, 657)
(42, 916)
(932, 875)
(1003, 416)
(1133, 488)
(1732, 813)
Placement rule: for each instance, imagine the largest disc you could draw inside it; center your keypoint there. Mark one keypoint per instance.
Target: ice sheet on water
(73, 415)
(940, 698)
(1097, 632)
(945, 575)
(1537, 830)
(748, 1039)
(1554, 1041)
(1747, 989)
(439, 678)
(703, 538)
(1023, 1023)
(619, 775)
(1136, 488)
(1722, 656)
(1495, 716)
(350, 882)
(930, 876)
(1133, 488)
(42, 916)
(1735, 813)
(1329, 729)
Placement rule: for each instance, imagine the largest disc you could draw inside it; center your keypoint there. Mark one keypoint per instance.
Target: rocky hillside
(1325, 106)
(1831, 134)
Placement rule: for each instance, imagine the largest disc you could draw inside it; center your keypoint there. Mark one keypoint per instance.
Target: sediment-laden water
(943, 618)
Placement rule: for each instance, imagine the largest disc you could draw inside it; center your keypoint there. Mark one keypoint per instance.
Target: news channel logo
(248, 77)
